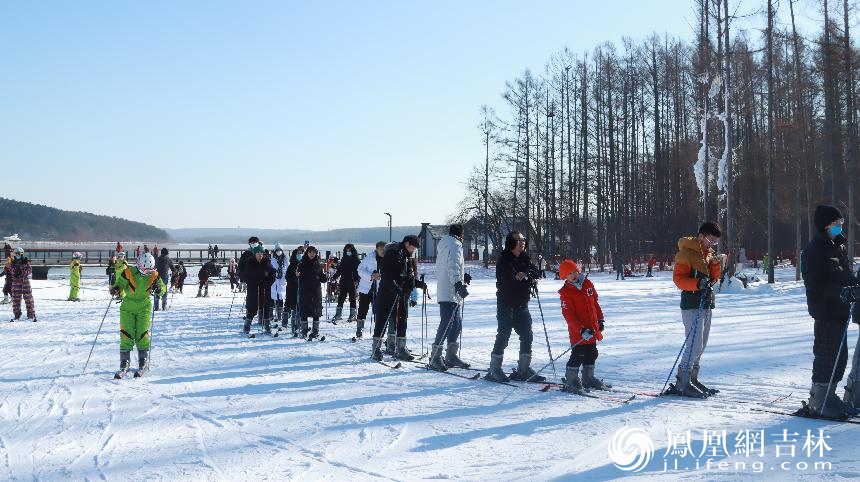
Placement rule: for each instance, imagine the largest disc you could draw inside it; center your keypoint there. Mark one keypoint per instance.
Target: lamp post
(390, 237)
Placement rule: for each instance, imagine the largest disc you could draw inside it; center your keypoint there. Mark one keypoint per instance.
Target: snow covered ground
(217, 406)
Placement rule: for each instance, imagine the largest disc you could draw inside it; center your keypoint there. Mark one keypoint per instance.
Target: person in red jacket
(584, 325)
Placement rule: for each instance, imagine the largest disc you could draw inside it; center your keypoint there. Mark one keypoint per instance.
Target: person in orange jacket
(697, 269)
(585, 324)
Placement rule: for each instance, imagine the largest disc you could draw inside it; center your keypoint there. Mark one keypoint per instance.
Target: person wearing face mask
(19, 271)
(346, 274)
(279, 286)
(290, 307)
(451, 281)
(831, 287)
(310, 276)
(247, 256)
(259, 275)
(368, 285)
(697, 269)
(398, 279)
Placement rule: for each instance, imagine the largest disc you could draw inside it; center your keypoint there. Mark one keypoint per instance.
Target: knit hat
(258, 249)
(824, 215)
(567, 266)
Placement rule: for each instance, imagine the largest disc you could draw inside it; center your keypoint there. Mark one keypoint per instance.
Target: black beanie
(825, 215)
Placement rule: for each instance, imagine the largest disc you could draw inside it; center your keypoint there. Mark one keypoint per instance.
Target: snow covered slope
(217, 406)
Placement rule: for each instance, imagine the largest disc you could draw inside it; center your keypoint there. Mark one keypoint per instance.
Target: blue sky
(273, 114)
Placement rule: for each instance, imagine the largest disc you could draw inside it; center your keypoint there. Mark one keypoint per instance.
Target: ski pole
(423, 318)
(691, 332)
(833, 373)
(231, 308)
(110, 302)
(462, 311)
(544, 368)
(545, 333)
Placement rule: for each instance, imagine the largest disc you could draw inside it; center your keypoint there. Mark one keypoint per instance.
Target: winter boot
(495, 373)
(836, 409)
(571, 383)
(124, 363)
(164, 304)
(401, 352)
(436, 362)
(694, 380)
(338, 314)
(852, 396)
(590, 382)
(524, 371)
(351, 315)
(683, 386)
(359, 327)
(247, 327)
(376, 352)
(315, 332)
(304, 328)
(267, 325)
(142, 362)
(451, 358)
(6, 300)
(390, 344)
(154, 306)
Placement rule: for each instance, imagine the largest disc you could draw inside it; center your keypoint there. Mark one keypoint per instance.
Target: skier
(110, 271)
(618, 265)
(119, 266)
(346, 274)
(515, 277)
(135, 313)
(233, 274)
(368, 285)
(137, 252)
(830, 289)
(697, 270)
(177, 281)
(247, 256)
(290, 306)
(398, 279)
(75, 272)
(310, 276)
(279, 287)
(20, 271)
(203, 281)
(259, 275)
(585, 323)
(163, 264)
(451, 290)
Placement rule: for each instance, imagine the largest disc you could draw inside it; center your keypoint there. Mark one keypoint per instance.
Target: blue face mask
(299, 257)
(349, 253)
(834, 230)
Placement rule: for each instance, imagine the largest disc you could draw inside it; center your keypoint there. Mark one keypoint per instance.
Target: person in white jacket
(451, 290)
(279, 287)
(368, 272)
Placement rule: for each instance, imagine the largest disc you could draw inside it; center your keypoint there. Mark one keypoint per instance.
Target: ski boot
(247, 328)
(451, 358)
(17, 318)
(589, 381)
(142, 363)
(124, 363)
(164, 305)
(6, 300)
(401, 352)
(524, 372)
(304, 329)
(390, 347)
(694, 380)
(267, 325)
(683, 387)
(835, 409)
(852, 397)
(359, 327)
(571, 383)
(376, 351)
(338, 314)
(315, 330)
(352, 316)
(495, 373)
(436, 361)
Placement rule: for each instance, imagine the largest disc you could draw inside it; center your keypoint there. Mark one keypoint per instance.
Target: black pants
(364, 302)
(256, 298)
(234, 281)
(7, 286)
(398, 313)
(517, 319)
(343, 292)
(828, 335)
(582, 355)
(450, 314)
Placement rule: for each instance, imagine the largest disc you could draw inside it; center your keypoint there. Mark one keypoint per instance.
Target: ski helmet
(19, 251)
(120, 254)
(77, 255)
(146, 263)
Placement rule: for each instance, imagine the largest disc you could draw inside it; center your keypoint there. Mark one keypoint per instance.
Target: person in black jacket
(347, 276)
(163, 264)
(247, 255)
(259, 276)
(398, 278)
(178, 279)
(290, 305)
(310, 276)
(830, 290)
(515, 278)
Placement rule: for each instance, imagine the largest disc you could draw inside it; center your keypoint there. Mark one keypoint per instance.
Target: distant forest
(291, 236)
(37, 222)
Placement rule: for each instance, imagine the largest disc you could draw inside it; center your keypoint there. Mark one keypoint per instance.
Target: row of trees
(625, 150)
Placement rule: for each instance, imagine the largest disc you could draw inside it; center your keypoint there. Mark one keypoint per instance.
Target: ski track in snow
(218, 406)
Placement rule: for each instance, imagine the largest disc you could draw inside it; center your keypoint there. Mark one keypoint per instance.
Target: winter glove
(413, 303)
(587, 334)
(850, 294)
(600, 324)
(467, 278)
(704, 283)
(461, 290)
(421, 285)
(114, 291)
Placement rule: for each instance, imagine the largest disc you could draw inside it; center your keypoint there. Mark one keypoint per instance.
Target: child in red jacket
(584, 325)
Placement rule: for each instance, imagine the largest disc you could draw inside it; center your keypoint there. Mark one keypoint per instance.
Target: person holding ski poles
(397, 280)
(258, 275)
(585, 324)
(165, 268)
(515, 278)
(178, 279)
(233, 273)
(368, 285)
(140, 284)
(346, 274)
(831, 287)
(279, 285)
(697, 270)
(451, 281)
(310, 277)
(75, 271)
(293, 290)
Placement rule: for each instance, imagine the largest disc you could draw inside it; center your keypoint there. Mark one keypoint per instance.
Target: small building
(430, 236)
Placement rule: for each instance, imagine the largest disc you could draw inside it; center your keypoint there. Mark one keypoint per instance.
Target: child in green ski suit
(75, 277)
